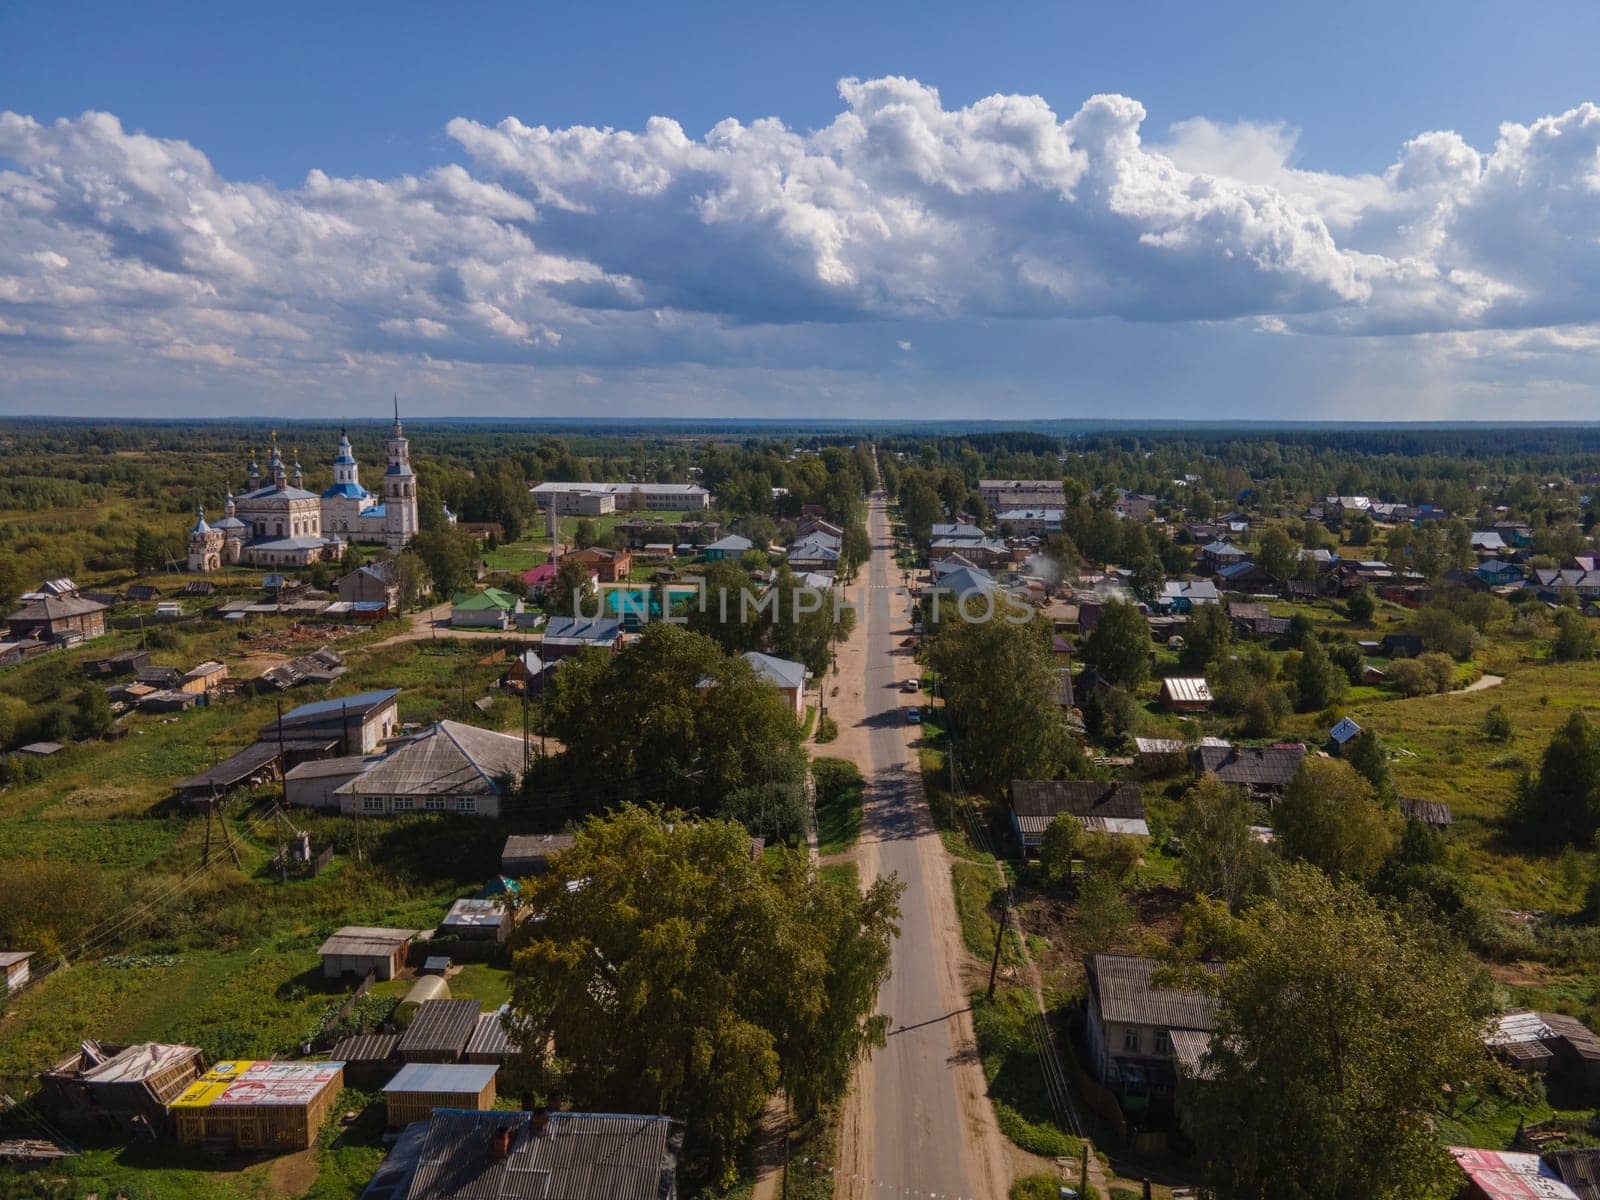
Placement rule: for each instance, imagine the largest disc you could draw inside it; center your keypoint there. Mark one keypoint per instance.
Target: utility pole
(999, 940)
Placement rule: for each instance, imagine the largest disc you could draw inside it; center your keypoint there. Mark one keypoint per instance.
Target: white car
(911, 685)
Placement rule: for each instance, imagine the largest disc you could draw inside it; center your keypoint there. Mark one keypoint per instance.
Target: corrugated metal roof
(491, 1037)
(440, 1025)
(366, 1047)
(353, 706)
(578, 1156)
(1252, 766)
(458, 1078)
(1186, 690)
(473, 913)
(1504, 1175)
(1127, 995)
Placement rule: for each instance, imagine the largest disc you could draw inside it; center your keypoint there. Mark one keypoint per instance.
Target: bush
(1047, 1187)
(827, 730)
(1496, 725)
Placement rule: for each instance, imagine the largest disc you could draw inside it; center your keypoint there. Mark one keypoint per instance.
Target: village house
(1101, 807)
(491, 608)
(57, 619)
(566, 636)
(1129, 1023)
(788, 677)
(1508, 1175)
(1263, 771)
(359, 724)
(731, 548)
(447, 767)
(375, 583)
(530, 853)
(607, 566)
(203, 679)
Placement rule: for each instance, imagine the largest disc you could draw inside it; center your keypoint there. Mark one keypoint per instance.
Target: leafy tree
(683, 722)
(150, 551)
(91, 717)
(1318, 683)
(1057, 847)
(1361, 605)
(585, 533)
(1442, 631)
(1366, 754)
(1574, 640)
(1223, 859)
(1207, 636)
(1341, 1029)
(1330, 818)
(1561, 805)
(447, 556)
(1276, 554)
(1119, 647)
(1110, 715)
(1001, 686)
(685, 978)
(1103, 911)
(571, 592)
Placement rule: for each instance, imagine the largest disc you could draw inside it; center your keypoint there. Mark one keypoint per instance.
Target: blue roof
(360, 700)
(353, 490)
(344, 460)
(377, 510)
(290, 543)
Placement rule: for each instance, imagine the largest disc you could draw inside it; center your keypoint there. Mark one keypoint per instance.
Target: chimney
(538, 1121)
(500, 1142)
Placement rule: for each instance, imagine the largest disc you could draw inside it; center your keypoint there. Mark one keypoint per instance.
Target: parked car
(911, 685)
(913, 716)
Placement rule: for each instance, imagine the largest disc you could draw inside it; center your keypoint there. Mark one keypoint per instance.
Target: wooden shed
(248, 1105)
(357, 949)
(491, 1041)
(419, 1088)
(440, 1031)
(370, 1059)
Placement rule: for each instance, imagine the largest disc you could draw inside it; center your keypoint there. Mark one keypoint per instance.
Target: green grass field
(839, 790)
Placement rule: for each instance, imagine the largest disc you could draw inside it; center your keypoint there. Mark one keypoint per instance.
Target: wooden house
(419, 1088)
(248, 1105)
(530, 853)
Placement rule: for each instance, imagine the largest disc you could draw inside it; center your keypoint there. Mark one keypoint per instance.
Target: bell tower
(399, 489)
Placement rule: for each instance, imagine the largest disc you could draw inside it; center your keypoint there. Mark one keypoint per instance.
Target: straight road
(920, 1122)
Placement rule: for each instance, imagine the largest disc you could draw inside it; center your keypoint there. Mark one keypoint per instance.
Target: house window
(466, 805)
(403, 804)
(434, 804)
(1163, 1042)
(1130, 1040)
(372, 804)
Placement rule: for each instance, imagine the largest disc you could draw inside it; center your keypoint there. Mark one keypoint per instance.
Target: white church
(278, 523)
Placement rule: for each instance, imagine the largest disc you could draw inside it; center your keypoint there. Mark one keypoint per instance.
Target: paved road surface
(924, 1125)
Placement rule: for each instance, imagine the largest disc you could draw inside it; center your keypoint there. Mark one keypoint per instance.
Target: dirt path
(1481, 684)
(435, 623)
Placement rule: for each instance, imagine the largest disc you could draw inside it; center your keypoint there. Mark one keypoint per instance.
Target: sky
(755, 210)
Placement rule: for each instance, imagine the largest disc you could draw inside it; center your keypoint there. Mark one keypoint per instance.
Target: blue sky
(1270, 212)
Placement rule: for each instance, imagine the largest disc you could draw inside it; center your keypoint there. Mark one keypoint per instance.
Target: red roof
(539, 575)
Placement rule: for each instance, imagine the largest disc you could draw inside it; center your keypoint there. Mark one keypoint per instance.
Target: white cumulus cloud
(656, 246)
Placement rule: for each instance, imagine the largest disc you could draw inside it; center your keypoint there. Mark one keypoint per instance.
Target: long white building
(657, 497)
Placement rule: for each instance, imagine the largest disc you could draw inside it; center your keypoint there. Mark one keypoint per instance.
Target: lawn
(839, 789)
